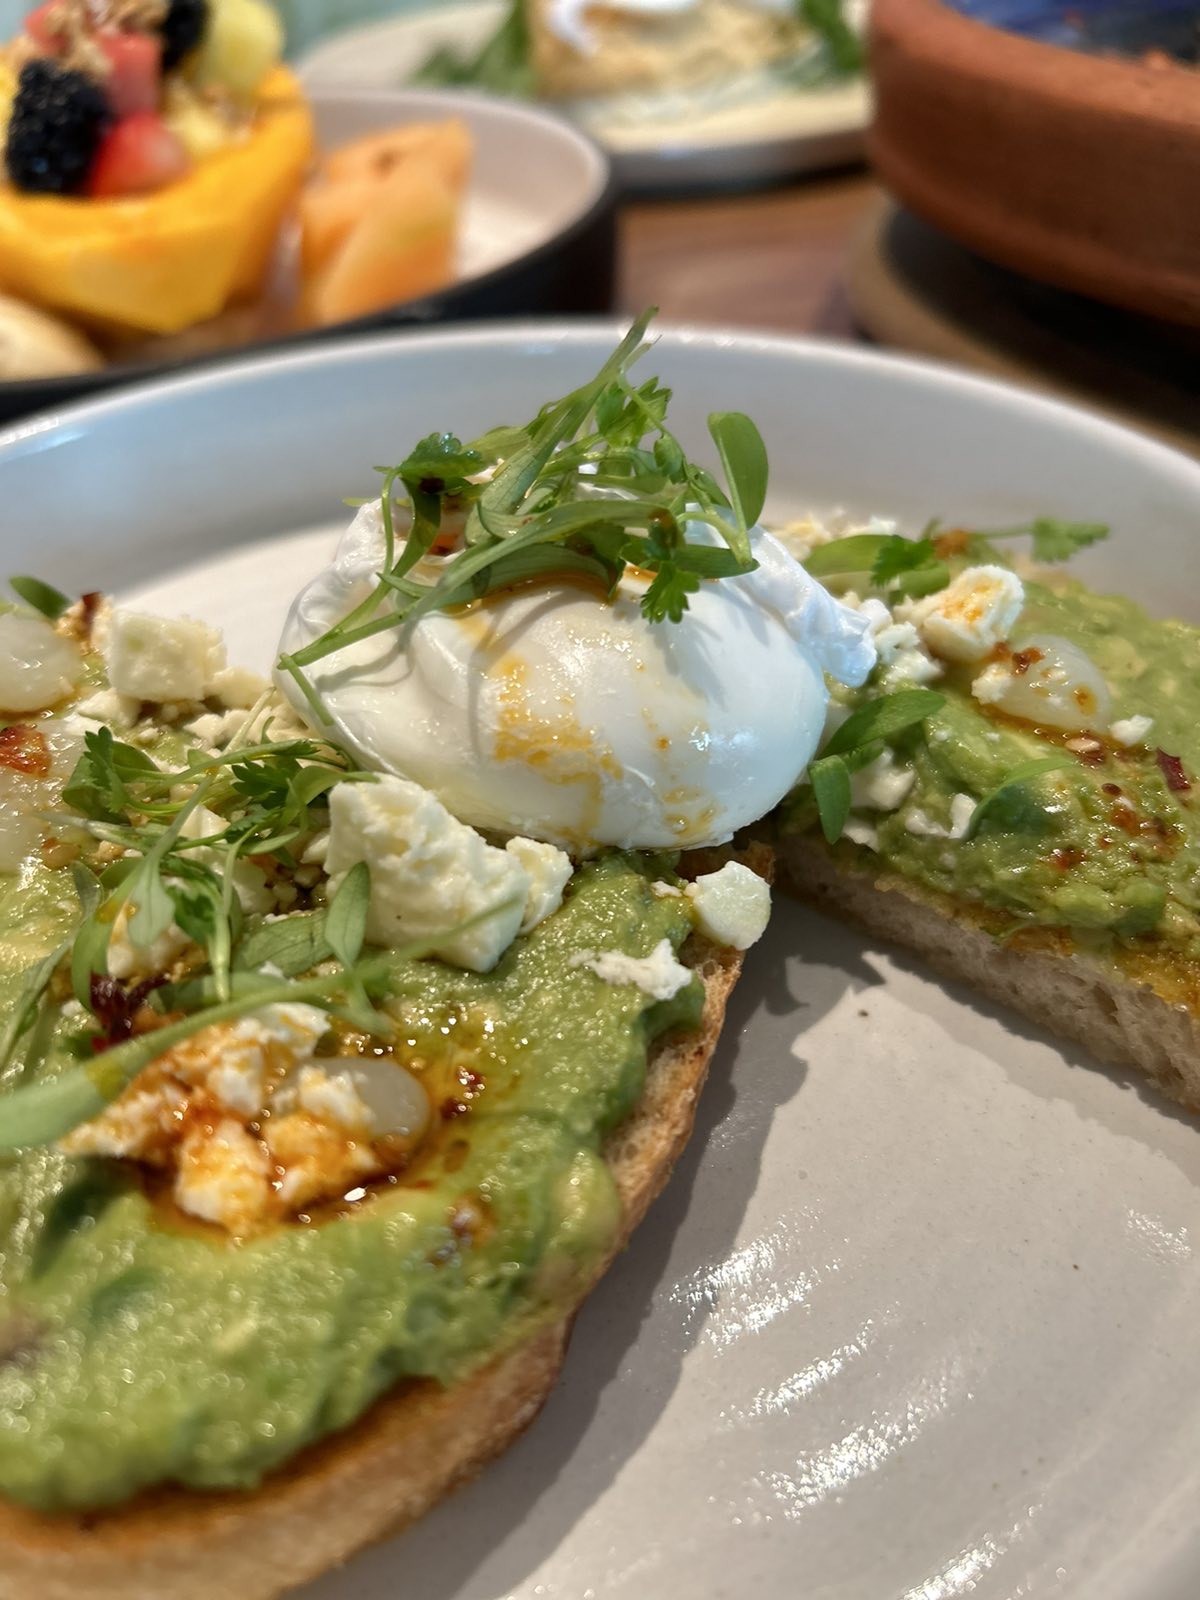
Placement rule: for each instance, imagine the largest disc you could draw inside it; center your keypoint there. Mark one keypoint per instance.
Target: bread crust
(1061, 989)
(411, 1448)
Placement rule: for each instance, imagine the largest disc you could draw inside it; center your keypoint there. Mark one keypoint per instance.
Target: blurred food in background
(379, 220)
(155, 155)
(577, 49)
(152, 149)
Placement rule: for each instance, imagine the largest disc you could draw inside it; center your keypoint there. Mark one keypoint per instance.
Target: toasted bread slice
(1143, 1014)
(409, 1450)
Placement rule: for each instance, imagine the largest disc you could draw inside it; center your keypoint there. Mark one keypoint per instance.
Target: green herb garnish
(503, 65)
(825, 17)
(41, 596)
(857, 743)
(1020, 774)
(594, 483)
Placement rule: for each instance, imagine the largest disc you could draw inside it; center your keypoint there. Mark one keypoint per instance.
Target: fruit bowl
(536, 235)
(1063, 160)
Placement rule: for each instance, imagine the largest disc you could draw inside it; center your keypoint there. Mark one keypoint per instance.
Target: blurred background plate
(682, 144)
(537, 235)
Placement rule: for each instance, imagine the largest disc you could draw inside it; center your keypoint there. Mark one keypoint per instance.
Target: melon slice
(400, 247)
(379, 221)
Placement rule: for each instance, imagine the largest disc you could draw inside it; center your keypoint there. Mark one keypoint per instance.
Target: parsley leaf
(346, 919)
(1053, 539)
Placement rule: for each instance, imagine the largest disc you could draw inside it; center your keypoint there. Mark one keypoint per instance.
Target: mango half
(161, 262)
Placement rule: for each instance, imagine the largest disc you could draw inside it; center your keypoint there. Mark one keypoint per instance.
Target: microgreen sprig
(595, 483)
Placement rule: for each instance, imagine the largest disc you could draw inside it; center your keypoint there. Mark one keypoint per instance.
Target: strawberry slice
(38, 27)
(138, 155)
(134, 70)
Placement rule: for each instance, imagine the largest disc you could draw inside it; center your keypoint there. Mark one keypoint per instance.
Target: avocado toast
(324, 1102)
(1030, 823)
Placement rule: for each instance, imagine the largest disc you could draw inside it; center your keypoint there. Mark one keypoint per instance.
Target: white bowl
(917, 1315)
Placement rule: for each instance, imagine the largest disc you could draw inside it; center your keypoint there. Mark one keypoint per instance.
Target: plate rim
(31, 432)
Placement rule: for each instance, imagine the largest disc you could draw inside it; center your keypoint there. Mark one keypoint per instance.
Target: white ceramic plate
(777, 134)
(917, 1315)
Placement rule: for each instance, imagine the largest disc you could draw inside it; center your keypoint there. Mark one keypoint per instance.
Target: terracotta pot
(1080, 170)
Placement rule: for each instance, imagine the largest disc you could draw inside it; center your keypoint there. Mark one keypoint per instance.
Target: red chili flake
(1067, 858)
(116, 1006)
(1171, 768)
(24, 749)
(1024, 659)
(89, 604)
(1110, 788)
(451, 1108)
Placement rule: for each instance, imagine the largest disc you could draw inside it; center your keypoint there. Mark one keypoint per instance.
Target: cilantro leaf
(666, 598)
(1053, 538)
(899, 555)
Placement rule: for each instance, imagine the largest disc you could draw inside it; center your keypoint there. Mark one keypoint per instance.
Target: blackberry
(182, 29)
(58, 119)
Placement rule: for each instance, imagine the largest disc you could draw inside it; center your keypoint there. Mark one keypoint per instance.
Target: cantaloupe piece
(444, 145)
(378, 221)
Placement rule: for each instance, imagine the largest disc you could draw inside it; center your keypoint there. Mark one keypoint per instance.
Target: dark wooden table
(768, 260)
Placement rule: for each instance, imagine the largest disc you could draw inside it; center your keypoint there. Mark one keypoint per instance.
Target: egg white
(551, 713)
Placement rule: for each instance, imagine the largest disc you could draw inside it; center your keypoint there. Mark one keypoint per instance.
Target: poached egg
(549, 712)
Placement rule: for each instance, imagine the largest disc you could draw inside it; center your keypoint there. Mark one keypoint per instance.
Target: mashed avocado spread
(138, 1348)
(1108, 847)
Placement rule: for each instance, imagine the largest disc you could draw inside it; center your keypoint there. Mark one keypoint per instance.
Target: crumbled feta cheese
(860, 832)
(962, 808)
(224, 1177)
(332, 1097)
(316, 849)
(732, 906)
(107, 706)
(162, 659)
(237, 688)
(216, 729)
(1050, 681)
(549, 870)
(898, 647)
(660, 974)
(132, 1126)
(665, 891)
(249, 882)
(128, 960)
(975, 613)
(1131, 730)
(429, 872)
(881, 785)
